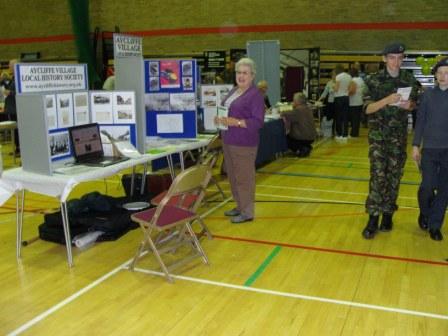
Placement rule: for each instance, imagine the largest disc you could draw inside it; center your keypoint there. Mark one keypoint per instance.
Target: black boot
(371, 228)
(386, 222)
(423, 222)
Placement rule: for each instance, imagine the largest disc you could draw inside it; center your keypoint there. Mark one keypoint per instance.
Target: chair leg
(196, 243)
(159, 259)
(205, 230)
(137, 255)
(213, 179)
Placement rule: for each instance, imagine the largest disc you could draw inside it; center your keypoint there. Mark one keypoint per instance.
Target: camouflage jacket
(380, 85)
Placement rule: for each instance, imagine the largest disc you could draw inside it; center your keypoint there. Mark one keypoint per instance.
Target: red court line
(322, 249)
(236, 29)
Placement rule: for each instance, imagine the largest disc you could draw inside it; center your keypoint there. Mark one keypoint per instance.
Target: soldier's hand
(416, 155)
(393, 98)
(406, 104)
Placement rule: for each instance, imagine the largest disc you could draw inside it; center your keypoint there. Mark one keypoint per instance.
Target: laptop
(87, 147)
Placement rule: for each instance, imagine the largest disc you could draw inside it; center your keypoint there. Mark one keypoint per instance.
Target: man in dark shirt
(431, 130)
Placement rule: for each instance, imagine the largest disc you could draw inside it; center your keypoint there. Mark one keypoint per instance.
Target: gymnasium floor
(301, 268)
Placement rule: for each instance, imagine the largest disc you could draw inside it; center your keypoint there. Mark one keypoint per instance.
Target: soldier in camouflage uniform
(388, 120)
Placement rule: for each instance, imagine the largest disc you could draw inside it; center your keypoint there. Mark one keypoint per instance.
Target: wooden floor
(301, 268)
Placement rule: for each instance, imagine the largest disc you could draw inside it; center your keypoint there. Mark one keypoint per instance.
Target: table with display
(16, 181)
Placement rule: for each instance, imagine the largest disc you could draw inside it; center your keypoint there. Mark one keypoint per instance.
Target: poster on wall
(39, 77)
(59, 144)
(182, 101)
(171, 97)
(169, 74)
(124, 107)
(314, 74)
(65, 109)
(101, 107)
(81, 107)
(170, 123)
(50, 108)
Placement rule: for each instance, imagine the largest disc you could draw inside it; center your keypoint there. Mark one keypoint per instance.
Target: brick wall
(264, 19)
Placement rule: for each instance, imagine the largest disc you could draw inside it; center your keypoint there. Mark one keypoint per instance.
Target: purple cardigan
(250, 107)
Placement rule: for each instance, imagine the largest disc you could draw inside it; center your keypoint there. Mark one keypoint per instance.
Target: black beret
(442, 62)
(394, 48)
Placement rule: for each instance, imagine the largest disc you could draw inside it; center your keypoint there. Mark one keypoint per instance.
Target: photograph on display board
(101, 106)
(65, 109)
(154, 84)
(209, 96)
(154, 69)
(170, 123)
(124, 107)
(169, 74)
(187, 68)
(81, 105)
(116, 133)
(187, 83)
(157, 102)
(182, 102)
(59, 144)
(52, 116)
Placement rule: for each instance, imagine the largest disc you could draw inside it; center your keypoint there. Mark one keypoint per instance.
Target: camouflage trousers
(387, 156)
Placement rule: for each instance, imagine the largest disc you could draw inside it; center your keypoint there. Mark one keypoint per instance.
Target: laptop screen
(86, 142)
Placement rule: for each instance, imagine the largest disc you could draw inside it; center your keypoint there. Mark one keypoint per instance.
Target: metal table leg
(169, 158)
(132, 181)
(20, 203)
(66, 226)
(142, 186)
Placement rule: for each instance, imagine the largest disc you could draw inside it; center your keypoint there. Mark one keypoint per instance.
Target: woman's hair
(247, 62)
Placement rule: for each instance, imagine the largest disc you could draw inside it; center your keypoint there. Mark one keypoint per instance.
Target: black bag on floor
(93, 212)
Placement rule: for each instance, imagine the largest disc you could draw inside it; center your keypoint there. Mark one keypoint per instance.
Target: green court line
(329, 177)
(262, 267)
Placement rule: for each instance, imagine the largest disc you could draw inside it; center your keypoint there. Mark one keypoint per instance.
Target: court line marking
(66, 301)
(335, 251)
(84, 290)
(263, 266)
(301, 296)
(331, 177)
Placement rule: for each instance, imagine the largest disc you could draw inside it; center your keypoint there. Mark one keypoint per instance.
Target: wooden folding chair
(191, 201)
(168, 226)
(214, 148)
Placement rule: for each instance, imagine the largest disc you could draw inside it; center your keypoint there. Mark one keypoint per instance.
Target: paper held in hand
(222, 112)
(404, 93)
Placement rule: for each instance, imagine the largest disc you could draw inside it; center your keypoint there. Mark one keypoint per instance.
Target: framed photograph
(59, 144)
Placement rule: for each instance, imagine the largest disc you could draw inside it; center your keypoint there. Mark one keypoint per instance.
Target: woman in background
(245, 117)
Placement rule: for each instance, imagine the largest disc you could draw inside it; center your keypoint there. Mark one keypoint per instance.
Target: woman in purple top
(245, 104)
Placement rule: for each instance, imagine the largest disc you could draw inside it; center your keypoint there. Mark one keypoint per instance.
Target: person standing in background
(245, 106)
(329, 94)
(388, 121)
(263, 87)
(341, 102)
(431, 132)
(10, 101)
(356, 92)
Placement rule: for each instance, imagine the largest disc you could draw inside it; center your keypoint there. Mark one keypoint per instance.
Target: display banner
(127, 45)
(40, 77)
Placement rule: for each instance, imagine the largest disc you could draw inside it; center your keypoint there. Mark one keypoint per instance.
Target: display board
(170, 98)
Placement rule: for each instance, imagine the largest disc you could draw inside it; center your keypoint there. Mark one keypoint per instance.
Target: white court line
(322, 190)
(66, 301)
(300, 296)
(73, 297)
(322, 200)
